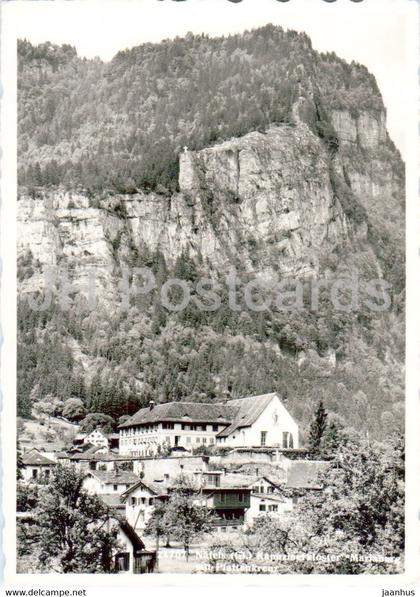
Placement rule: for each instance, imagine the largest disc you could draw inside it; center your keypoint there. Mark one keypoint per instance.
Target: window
(133, 501)
(263, 438)
(150, 501)
(166, 477)
(188, 440)
(240, 497)
(262, 508)
(223, 498)
(285, 439)
(295, 499)
(204, 440)
(143, 500)
(47, 472)
(167, 426)
(122, 562)
(115, 487)
(215, 427)
(211, 441)
(34, 473)
(197, 440)
(273, 508)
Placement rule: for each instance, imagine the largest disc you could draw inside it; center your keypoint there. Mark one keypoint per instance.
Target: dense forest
(119, 127)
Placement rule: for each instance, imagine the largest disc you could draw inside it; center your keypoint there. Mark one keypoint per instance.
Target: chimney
(152, 404)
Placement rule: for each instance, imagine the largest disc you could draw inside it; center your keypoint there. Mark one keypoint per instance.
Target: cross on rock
(185, 149)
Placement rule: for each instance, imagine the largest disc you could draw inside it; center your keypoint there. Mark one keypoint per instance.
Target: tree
(123, 419)
(95, 420)
(181, 517)
(26, 497)
(19, 462)
(317, 428)
(156, 525)
(74, 409)
(73, 526)
(358, 517)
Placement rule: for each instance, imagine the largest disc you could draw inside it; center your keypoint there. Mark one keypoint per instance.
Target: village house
(253, 421)
(133, 557)
(265, 497)
(109, 482)
(36, 466)
(97, 438)
(140, 500)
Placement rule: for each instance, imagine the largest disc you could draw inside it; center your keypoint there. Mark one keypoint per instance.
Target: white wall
(139, 513)
(275, 420)
(140, 442)
(41, 473)
(283, 508)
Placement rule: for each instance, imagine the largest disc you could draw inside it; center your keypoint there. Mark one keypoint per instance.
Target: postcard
(209, 253)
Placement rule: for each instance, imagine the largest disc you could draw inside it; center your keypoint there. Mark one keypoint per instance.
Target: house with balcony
(255, 421)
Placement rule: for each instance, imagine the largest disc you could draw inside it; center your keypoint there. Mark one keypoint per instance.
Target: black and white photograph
(209, 247)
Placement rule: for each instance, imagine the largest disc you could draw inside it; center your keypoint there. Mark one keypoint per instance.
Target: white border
(8, 363)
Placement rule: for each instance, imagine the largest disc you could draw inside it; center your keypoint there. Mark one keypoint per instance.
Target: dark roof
(101, 457)
(303, 474)
(115, 477)
(34, 457)
(153, 486)
(195, 412)
(137, 543)
(241, 412)
(247, 410)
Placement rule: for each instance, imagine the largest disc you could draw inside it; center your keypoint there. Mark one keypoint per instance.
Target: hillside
(289, 173)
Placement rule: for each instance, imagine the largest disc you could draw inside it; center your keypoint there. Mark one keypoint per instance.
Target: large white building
(256, 421)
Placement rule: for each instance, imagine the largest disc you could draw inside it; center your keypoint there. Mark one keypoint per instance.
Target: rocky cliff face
(265, 202)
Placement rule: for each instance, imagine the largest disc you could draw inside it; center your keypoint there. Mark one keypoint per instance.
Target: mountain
(192, 158)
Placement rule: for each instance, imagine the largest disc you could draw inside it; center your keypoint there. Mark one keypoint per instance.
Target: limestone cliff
(265, 202)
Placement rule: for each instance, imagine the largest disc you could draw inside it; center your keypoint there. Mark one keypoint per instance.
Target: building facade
(36, 467)
(256, 421)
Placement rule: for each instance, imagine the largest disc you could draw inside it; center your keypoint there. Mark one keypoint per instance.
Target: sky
(372, 32)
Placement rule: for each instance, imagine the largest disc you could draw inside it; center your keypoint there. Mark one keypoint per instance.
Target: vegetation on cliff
(121, 125)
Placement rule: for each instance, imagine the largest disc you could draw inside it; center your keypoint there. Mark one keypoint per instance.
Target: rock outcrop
(264, 202)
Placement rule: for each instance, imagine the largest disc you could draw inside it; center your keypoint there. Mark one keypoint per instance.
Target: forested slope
(316, 184)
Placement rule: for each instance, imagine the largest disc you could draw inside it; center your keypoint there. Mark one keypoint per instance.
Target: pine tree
(318, 428)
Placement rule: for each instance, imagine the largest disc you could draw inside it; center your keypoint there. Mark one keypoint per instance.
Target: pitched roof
(137, 543)
(153, 486)
(247, 412)
(34, 457)
(241, 412)
(303, 474)
(195, 412)
(115, 477)
(112, 500)
(237, 481)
